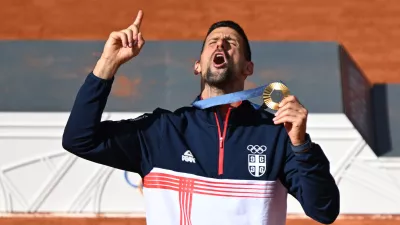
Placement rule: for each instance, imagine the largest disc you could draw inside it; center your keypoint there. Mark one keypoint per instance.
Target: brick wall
(369, 29)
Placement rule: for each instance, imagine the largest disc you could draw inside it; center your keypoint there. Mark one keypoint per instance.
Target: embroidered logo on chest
(257, 161)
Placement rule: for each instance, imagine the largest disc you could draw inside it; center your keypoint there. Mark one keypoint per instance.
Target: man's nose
(220, 44)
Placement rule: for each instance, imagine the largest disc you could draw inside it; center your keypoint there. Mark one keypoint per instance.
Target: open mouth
(219, 60)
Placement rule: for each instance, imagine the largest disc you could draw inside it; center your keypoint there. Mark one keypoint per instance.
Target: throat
(222, 109)
(209, 91)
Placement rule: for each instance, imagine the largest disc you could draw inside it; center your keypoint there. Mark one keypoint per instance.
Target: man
(228, 164)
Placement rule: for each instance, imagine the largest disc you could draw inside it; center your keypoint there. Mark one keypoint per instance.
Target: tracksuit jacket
(201, 169)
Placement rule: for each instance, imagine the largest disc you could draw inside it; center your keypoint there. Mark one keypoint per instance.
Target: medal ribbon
(230, 98)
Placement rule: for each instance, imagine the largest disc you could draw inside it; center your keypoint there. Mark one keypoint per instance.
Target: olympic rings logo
(257, 149)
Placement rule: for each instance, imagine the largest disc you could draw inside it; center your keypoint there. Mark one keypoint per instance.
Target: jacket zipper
(221, 141)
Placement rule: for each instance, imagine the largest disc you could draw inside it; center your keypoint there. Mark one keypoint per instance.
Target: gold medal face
(274, 93)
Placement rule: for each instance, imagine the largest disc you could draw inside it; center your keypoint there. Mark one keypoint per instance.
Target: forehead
(224, 32)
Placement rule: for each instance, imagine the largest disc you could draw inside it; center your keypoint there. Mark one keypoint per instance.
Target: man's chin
(218, 71)
(217, 80)
(217, 76)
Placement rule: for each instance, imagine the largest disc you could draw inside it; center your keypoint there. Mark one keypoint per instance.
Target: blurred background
(341, 58)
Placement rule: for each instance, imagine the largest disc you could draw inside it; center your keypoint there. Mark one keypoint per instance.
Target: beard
(220, 77)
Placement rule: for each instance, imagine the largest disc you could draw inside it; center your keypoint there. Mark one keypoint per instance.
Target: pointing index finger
(138, 19)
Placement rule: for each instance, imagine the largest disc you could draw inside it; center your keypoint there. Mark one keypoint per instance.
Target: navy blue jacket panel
(247, 145)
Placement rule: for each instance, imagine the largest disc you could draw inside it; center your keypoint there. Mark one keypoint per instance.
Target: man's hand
(294, 117)
(120, 47)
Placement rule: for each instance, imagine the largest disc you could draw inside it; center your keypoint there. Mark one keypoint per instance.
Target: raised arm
(120, 144)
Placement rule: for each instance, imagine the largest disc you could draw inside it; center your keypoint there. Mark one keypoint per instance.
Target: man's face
(222, 59)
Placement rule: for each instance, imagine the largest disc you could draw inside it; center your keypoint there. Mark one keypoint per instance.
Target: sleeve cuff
(304, 147)
(98, 79)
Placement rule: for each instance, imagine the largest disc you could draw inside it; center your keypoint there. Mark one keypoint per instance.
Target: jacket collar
(246, 113)
(198, 98)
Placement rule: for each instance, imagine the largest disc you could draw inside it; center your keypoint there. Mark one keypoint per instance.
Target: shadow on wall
(44, 76)
(371, 109)
(386, 111)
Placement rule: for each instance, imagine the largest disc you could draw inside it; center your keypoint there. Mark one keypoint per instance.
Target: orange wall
(369, 29)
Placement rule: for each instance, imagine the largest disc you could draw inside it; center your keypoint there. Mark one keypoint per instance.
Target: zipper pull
(221, 142)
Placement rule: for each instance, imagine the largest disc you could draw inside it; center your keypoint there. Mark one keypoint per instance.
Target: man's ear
(248, 71)
(197, 68)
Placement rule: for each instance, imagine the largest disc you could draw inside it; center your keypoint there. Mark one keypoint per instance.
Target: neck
(212, 91)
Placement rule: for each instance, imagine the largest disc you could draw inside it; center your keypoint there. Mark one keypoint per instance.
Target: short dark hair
(237, 28)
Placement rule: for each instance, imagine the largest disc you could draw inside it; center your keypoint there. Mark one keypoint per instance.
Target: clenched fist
(120, 47)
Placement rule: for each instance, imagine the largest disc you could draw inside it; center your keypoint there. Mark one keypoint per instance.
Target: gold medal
(273, 94)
